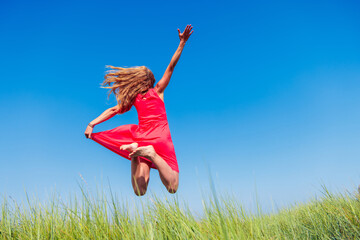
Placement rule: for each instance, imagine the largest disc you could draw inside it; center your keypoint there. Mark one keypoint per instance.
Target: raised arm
(164, 81)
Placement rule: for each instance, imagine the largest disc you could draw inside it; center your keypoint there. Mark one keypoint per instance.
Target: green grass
(333, 216)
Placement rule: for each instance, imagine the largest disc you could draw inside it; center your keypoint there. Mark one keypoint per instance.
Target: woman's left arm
(164, 81)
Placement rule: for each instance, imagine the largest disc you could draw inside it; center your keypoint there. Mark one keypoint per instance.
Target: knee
(140, 186)
(172, 188)
(173, 183)
(140, 190)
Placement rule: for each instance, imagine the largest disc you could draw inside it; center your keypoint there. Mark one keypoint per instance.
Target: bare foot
(129, 147)
(147, 152)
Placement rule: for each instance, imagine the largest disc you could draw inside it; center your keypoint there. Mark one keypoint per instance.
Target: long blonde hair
(127, 83)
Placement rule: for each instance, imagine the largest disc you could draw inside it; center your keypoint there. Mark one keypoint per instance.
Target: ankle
(152, 156)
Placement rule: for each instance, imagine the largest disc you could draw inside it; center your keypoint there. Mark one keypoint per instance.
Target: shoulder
(158, 92)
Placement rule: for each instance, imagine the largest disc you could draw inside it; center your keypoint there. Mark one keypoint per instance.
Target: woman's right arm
(106, 115)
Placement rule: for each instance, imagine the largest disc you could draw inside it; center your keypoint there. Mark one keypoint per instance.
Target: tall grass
(333, 216)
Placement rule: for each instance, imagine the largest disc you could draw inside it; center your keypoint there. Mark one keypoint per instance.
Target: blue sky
(266, 95)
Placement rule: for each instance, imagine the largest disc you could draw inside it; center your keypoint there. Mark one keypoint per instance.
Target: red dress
(153, 129)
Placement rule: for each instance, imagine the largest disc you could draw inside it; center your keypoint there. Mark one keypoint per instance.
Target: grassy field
(95, 217)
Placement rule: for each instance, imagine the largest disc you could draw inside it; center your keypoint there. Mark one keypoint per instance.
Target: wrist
(91, 125)
(182, 42)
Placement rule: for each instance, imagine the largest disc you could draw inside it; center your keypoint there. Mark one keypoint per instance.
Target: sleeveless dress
(153, 129)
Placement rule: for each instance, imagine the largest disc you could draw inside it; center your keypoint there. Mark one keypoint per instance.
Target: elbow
(171, 67)
(115, 109)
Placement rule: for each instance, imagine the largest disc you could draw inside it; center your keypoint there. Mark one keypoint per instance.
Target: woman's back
(150, 108)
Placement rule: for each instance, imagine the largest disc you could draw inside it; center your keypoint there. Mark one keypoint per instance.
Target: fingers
(188, 29)
(88, 132)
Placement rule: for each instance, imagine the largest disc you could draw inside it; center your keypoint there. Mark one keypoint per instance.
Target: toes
(134, 153)
(123, 147)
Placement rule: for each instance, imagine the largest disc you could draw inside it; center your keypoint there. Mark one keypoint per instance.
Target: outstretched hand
(186, 34)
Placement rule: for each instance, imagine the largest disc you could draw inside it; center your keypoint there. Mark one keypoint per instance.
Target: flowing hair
(127, 83)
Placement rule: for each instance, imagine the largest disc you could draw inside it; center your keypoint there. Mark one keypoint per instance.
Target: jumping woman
(148, 144)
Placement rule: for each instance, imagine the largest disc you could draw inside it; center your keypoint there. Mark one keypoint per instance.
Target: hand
(88, 131)
(186, 34)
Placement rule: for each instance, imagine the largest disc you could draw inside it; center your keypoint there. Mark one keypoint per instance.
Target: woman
(148, 144)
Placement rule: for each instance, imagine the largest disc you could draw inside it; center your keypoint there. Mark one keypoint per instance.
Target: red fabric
(153, 129)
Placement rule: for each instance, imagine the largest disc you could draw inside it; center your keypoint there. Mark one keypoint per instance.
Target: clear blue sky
(264, 94)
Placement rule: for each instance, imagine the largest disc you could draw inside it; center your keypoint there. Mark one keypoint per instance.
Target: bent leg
(169, 177)
(140, 174)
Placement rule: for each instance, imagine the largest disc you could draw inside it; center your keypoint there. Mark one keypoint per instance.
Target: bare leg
(169, 177)
(140, 171)
(140, 174)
